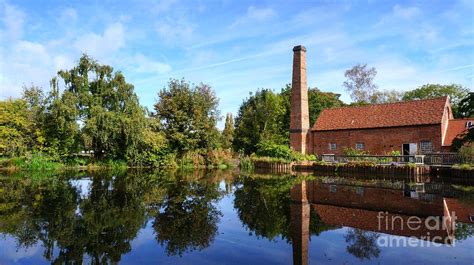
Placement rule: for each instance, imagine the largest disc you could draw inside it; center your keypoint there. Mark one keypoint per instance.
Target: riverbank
(40, 163)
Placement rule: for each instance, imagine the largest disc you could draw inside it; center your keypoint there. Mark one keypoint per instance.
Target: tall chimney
(299, 116)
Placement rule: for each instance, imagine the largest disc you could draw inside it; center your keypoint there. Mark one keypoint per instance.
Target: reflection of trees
(362, 244)
(463, 231)
(263, 206)
(101, 225)
(187, 219)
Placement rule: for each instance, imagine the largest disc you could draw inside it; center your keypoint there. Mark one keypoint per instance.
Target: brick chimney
(299, 117)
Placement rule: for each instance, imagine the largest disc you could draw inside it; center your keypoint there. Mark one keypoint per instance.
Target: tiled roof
(455, 128)
(418, 112)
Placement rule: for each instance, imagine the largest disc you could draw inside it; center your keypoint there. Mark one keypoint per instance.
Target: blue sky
(238, 46)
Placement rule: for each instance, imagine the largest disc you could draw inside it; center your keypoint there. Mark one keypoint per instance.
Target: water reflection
(96, 218)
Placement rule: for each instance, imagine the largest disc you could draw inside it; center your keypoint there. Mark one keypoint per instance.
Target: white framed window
(426, 147)
(332, 146)
(360, 146)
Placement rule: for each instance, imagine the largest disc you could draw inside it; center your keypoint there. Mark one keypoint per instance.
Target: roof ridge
(389, 103)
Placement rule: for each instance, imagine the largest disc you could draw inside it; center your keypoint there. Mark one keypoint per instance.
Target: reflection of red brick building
(412, 127)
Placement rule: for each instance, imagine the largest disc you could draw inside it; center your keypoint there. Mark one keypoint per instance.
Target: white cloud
(13, 20)
(255, 15)
(143, 64)
(172, 30)
(68, 15)
(100, 46)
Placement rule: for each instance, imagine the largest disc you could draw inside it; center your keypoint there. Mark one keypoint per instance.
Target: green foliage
(464, 166)
(270, 149)
(108, 106)
(188, 116)
(467, 153)
(228, 132)
(454, 91)
(353, 152)
(265, 116)
(260, 117)
(14, 127)
(466, 106)
(394, 153)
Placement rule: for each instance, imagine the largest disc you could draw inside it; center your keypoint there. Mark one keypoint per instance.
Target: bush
(354, 152)
(270, 149)
(219, 158)
(467, 153)
(463, 166)
(192, 159)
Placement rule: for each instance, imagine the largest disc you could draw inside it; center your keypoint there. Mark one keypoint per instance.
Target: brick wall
(378, 140)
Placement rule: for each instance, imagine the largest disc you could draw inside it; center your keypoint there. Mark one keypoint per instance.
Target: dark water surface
(230, 218)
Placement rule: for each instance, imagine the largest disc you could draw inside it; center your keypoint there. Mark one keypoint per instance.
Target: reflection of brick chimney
(299, 117)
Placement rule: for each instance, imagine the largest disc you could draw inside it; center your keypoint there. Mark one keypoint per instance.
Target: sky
(237, 47)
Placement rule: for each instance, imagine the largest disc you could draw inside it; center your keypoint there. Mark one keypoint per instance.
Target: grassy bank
(41, 162)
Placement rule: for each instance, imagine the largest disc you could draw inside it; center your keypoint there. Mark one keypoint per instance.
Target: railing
(378, 159)
(428, 159)
(443, 159)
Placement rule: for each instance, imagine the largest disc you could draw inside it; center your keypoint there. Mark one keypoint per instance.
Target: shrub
(467, 153)
(219, 158)
(353, 152)
(192, 159)
(270, 149)
(463, 166)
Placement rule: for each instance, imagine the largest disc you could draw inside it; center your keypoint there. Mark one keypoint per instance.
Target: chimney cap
(299, 48)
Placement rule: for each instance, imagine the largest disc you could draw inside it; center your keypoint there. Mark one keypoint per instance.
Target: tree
(106, 105)
(188, 115)
(60, 123)
(362, 244)
(466, 106)
(464, 143)
(386, 96)
(228, 132)
(454, 91)
(260, 117)
(15, 125)
(360, 83)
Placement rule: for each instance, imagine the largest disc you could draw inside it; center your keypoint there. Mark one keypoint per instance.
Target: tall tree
(360, 83)
(466, 106)
(60, 122)
(15, 127)
(260, 117)
(454, 91)
(188, 115)
(228, 132)
(386, 96)
(107, 106)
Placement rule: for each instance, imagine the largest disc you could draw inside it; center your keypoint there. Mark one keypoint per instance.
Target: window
(426, 147)
(469, 125)
(360, 146)
(332, 146)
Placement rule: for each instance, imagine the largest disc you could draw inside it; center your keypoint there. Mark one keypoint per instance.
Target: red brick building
(412, 127)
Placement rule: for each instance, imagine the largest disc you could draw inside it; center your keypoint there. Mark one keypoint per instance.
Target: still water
(225, 217)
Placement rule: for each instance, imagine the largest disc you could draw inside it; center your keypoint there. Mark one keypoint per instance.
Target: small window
(426, 147)
(360, 146)
(332, 146)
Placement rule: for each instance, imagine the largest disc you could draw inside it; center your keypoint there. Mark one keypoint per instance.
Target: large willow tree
(108, 110)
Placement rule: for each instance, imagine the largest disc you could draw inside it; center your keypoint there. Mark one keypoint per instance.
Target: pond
(226, 217)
